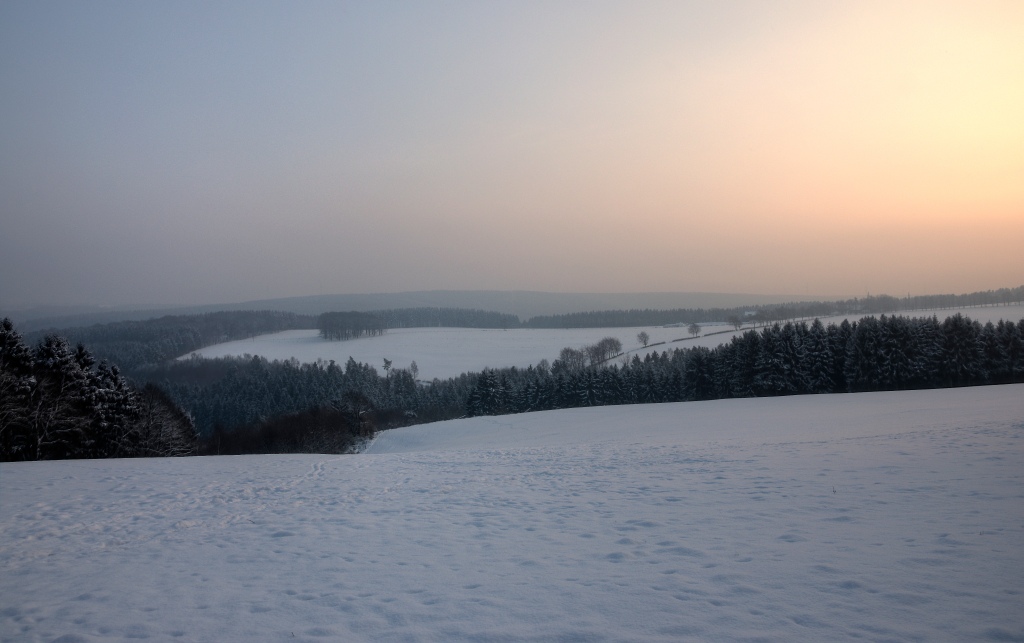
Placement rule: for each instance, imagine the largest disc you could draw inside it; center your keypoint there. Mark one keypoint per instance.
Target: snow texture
(448, 352)
(875, 517)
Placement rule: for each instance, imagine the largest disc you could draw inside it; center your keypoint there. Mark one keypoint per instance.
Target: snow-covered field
(876, 517)
(448, 352)
(438, 352)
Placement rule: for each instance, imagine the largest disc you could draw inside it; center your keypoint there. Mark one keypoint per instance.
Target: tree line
(54, 405)
(873, 354)
(770, 313)
(237, 394)
(323, 429)
(349, 325)
(446, 318)
(134, 345)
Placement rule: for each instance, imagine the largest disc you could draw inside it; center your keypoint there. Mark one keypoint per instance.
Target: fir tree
(818, 366)
(961, 350)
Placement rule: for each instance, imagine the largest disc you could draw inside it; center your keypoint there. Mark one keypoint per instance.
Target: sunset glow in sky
(180, 153)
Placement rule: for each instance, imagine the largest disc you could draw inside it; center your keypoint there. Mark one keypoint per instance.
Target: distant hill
(523, 303)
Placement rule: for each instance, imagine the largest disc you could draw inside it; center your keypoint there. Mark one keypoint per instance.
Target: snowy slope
(448, 352)
(876, 517)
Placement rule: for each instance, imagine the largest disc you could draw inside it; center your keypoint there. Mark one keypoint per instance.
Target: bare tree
(643, 338)
(694, 329)
(607, 348)
(572, 359)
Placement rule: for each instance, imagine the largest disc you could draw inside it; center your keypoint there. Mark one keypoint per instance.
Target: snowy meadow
(877, 517)
(449, 352)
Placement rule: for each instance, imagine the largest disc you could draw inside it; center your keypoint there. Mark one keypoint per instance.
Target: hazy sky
(179, 152)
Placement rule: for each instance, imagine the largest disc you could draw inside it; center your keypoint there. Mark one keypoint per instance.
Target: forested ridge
(446, 318)
(768, 313)
(136, 344)
(341, 325)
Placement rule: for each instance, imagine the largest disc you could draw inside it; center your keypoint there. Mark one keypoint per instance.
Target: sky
(165, 153)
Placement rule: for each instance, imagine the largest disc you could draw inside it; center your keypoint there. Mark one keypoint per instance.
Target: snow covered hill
(875, 517)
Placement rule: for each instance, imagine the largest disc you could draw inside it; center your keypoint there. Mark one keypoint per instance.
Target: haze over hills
(523, 303)
(277, 153)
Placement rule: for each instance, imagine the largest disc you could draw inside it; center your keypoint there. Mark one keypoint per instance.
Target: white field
(448, 352)
(871, 517)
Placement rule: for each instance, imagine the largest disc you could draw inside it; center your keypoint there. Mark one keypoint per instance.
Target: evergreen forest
(56, 402)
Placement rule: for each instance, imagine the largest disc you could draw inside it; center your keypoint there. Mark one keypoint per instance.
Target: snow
(877, 517)
(438, 352)
(449, 352)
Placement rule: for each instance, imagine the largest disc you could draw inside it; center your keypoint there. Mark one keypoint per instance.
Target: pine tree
(995, 358)
(895, 360)
(928, 339)
(839, 340)
(59, 408)
(1009, 336)
(697, 379)
(164, 429)
(721, 358)
(115, 415)
(776, 373)
(747, 347)
(16, 385)
(817, 366)
(961, 350)
(860, 371)
(794, 336)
